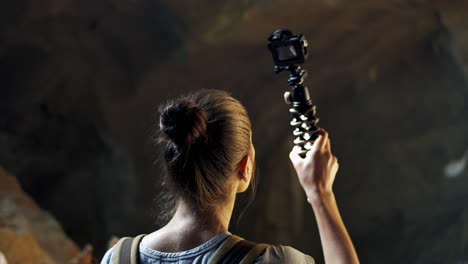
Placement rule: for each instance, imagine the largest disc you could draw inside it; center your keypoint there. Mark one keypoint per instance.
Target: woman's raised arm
(316, 173)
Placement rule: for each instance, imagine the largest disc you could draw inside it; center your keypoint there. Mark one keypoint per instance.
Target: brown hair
(203, 137)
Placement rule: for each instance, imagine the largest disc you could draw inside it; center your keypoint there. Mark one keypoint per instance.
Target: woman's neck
(213, 221)
(189, 228)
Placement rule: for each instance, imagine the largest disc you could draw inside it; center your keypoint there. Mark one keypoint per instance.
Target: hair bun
(183, 122)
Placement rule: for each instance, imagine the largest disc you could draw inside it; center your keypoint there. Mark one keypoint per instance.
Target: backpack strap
(237, 250)
(254, 253)
(126, 250)
(224, 249)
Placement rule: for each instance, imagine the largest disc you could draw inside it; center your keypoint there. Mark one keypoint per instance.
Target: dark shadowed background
(80, 81)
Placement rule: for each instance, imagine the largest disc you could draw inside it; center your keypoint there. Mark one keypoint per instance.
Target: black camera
(287, 49)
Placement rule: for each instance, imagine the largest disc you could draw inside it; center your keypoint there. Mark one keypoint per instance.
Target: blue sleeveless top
(203, 253)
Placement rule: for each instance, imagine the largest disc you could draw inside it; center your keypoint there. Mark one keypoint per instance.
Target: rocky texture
(80, 81)
(27, 233)
(23, 248)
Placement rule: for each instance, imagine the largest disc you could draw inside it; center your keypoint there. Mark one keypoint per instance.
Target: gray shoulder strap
(254, 253)
(126, 250)
(236, 250)
(225, 247)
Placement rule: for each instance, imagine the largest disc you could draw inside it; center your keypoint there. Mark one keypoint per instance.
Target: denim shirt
(203, 253)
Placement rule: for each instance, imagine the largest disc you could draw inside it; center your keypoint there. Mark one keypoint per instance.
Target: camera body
(287, 49)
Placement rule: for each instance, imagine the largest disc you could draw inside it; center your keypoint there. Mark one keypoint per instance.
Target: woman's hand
(317, 170)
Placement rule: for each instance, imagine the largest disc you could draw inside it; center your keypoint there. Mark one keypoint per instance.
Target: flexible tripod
(304, 120)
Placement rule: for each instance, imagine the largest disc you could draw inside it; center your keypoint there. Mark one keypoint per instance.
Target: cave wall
(80, 81)
(27, 233)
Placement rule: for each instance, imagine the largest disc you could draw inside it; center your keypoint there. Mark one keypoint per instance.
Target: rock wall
(80, 81)
(27, 233)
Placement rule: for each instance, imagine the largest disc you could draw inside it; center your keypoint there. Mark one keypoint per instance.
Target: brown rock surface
(27, 233)
(22, 247)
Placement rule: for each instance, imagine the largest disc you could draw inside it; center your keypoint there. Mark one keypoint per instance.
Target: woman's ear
(243, 169)
(243, 174)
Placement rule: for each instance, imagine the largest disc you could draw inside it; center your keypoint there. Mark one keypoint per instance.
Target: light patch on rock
(455, 168)
(2, 258)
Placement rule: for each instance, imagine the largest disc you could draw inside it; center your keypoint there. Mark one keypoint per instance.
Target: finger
(321, 140)
(294, 154)
(309, 154)
(335, 161)
(328, 146)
